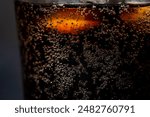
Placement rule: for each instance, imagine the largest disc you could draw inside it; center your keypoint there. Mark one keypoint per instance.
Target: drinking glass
(79, 49)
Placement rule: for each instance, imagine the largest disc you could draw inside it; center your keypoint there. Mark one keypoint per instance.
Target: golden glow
(70, 25)
(136, 14)
(71, 21)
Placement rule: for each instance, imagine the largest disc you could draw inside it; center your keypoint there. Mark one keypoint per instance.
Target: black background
(10, 67)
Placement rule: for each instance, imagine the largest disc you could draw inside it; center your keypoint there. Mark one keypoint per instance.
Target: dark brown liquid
(85, 51)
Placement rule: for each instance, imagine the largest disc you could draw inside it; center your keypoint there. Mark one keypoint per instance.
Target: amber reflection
(73, 20)
(134, 14)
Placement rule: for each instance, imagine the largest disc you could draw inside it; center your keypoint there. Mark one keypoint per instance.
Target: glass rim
(86, 3)
(80, 4)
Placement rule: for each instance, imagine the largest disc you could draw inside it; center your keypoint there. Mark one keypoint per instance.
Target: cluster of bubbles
(102, 62)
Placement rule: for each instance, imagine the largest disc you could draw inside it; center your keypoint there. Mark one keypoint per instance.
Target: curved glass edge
(77, 3)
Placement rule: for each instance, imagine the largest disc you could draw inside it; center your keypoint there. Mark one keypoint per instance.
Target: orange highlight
(136, 13)
(72, 21)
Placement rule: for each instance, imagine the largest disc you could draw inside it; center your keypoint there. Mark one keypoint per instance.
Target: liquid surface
(96, 52)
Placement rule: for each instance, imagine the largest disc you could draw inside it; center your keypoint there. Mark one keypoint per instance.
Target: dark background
(10, 67)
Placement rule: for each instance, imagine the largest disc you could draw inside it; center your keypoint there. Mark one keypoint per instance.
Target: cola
(85, 51)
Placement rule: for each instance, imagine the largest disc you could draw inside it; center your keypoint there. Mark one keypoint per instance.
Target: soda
(85, 51)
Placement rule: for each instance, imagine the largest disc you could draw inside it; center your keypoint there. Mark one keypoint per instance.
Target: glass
(84, 49)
